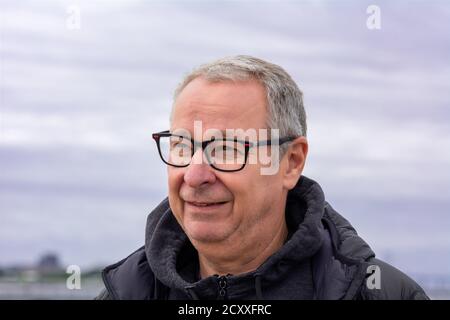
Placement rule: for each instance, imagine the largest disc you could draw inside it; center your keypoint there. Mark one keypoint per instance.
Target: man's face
(244, 201)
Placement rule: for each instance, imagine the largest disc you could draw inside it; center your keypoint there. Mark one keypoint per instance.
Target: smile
(205, 205)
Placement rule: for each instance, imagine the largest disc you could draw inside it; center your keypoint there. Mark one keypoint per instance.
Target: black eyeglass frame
(204, 144)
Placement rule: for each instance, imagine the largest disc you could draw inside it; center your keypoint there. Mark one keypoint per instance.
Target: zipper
(222, 281)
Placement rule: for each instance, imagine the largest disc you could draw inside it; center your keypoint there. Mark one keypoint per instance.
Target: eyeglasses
(228, 155)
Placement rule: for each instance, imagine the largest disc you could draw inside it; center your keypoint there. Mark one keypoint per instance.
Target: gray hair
(285, 100)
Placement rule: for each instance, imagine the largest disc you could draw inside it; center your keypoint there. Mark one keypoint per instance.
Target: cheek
(175, 179)
(257, 192)
(245, 194)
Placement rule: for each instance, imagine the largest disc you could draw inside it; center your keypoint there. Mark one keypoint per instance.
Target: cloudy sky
(79, 171)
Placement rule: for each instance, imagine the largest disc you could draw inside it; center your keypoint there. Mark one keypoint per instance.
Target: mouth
(205, 205)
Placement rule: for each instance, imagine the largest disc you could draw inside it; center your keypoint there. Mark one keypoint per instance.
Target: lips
(205, 204)
(207, 208)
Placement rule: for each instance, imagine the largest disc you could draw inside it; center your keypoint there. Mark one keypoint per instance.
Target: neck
(245, 255)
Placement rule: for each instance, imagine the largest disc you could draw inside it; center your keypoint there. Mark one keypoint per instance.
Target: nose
(199, 172)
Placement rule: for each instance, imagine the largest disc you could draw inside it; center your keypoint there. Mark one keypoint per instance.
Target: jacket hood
(168, 249)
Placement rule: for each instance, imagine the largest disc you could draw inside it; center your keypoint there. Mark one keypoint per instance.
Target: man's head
(243, 207)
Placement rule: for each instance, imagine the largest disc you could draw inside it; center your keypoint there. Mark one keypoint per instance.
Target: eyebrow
(223, 132)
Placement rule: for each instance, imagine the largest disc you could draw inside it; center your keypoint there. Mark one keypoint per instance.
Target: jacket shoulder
(385, 282)
(389, 283)
(130, 278)
(104, 295)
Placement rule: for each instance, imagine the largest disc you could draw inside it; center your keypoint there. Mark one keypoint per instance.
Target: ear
(294, 162)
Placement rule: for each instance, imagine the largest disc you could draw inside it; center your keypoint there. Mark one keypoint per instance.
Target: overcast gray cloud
(79, 172)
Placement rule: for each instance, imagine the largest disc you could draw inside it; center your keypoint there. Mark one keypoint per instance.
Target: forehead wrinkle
(196, 109)
(216, 116)
(215, 111)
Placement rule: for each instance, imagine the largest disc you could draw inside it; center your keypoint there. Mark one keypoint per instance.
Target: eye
(180, 144)
(228, 148)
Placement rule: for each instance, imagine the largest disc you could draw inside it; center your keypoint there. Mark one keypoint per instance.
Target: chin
(206, 231)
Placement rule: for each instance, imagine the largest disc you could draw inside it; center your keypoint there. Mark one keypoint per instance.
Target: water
(49, 290)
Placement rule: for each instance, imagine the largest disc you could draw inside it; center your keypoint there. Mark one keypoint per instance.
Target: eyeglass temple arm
(280, 141)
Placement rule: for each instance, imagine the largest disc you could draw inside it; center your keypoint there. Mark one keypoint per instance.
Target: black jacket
(324, 258)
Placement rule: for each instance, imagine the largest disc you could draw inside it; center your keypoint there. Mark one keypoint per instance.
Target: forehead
(221, 105)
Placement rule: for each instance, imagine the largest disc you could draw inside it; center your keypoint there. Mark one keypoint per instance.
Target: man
(229, 229)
